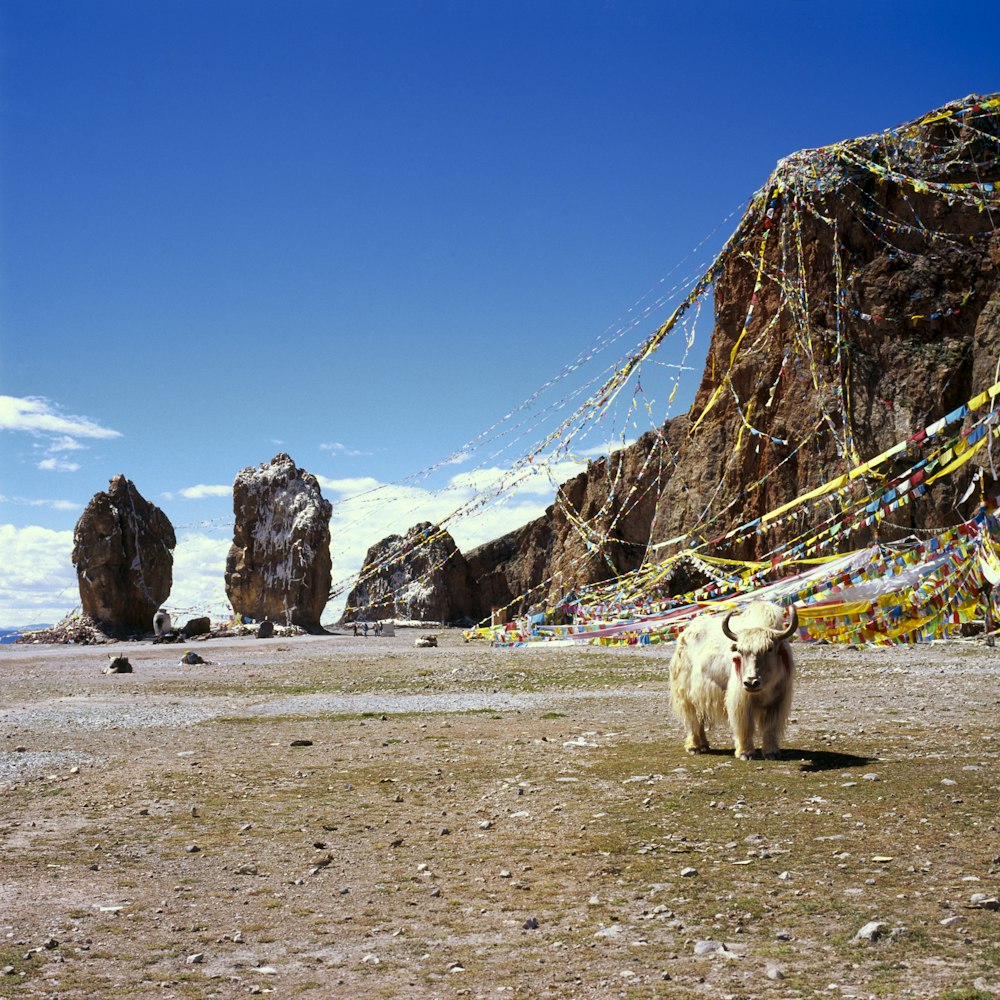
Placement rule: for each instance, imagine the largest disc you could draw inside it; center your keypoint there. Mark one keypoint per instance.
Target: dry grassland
(343, 817)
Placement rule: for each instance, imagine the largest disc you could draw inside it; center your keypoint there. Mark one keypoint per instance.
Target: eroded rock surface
(279, 565)
(123, 553)
(419, 576)
(858, 304)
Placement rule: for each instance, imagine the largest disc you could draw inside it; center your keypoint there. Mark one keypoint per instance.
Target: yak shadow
(825, 760)
(812, 760)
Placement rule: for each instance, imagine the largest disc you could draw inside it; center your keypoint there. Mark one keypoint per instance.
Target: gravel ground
(332, 816)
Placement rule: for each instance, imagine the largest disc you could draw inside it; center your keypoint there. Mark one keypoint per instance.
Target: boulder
(123, 553)
(197, 626)
(419, 576)
(279, 565)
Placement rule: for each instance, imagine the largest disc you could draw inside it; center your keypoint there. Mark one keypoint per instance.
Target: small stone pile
(234, 631)
(79, 629)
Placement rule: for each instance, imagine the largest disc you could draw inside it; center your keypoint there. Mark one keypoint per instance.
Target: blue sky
(361, 232)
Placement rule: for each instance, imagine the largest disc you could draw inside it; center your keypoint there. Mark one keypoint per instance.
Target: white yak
(736, 670)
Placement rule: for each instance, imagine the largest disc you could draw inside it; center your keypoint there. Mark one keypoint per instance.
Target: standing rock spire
(279, 566)
(123, 553)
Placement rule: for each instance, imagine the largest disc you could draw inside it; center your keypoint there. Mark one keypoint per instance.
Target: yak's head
(758, 650)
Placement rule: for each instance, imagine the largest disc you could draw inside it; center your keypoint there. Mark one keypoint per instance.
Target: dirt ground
(341, 817)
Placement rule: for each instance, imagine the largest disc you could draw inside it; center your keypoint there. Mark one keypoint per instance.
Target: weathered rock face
(279, 565)
(871, 312)
(597, 528)
(123, 553)
(420, 576)
(510, 570)
(858, 303)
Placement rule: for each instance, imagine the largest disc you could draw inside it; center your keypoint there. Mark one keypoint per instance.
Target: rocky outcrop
(598, 527)
(123, 553)
(857, 303)
(511, 571)
(865, 310)
(201, 625)
(419, 576)
(279, 565)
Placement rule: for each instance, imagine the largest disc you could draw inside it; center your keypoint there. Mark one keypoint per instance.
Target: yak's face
(755, 670)
(760, 652)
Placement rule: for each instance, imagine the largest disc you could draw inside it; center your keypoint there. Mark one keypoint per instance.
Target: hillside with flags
(842, 433)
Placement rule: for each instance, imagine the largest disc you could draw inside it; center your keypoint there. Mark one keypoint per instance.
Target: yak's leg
(694, 726)
(702, 739)
(771, 725)
(741, 722)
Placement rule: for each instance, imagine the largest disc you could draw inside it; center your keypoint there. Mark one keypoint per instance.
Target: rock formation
(417, 577)
(202, 625)
(123, 553)
(279, 565)
(858, 302)
(877, 314)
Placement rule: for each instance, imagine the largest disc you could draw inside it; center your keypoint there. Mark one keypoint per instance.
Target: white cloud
(52, 504)
(199, 585)
(201, 491)
(494, 522)
(482, 479)
(38, 583)
(65, 444)
(36, 415)
(57, 465)
(350, 486)
(341, 449)
(536, 480)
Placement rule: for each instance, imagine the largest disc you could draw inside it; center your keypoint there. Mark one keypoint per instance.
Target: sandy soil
(340, 817)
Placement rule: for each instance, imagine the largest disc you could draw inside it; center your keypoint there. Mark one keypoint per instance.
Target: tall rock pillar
(279, 566)
(123, 553)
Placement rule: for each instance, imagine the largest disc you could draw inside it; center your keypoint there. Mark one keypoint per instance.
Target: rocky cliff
(417, 577)
(858, 302)
(123, 553)
(863, 306)
(279, 565)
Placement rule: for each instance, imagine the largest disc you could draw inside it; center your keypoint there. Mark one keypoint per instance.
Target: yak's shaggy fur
(737, 670)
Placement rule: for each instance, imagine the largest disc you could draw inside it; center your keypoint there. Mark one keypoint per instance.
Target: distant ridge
(12, 634)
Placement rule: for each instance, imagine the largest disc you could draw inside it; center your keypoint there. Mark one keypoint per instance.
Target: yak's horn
(726, 630)
(791, 627)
